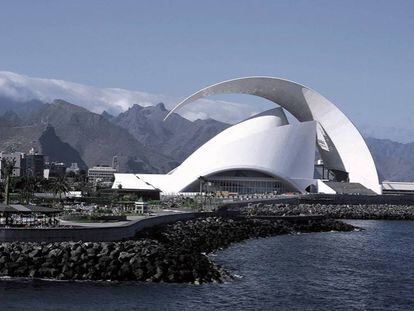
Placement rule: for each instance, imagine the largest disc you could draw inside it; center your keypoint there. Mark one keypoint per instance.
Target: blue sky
(359, 54)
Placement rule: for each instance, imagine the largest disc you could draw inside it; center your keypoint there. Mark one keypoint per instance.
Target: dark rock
(173, 253)
(336, 211)
(124, 256)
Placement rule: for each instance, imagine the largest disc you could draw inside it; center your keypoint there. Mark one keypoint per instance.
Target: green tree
(45, 185)
(30, 185)
(59, 186)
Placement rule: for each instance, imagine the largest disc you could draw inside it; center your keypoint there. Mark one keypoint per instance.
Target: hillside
(139, 137)
(177, 136)
(395, 161)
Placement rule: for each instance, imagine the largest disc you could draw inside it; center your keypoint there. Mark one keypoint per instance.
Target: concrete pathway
(116, 223)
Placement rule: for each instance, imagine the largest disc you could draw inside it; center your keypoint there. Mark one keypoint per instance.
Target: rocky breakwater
(173, 253)
(342, 211)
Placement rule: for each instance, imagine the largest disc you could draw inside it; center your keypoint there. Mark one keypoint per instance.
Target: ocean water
(366, 270)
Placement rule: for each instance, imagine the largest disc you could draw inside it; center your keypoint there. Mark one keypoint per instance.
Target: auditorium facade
(320, 151)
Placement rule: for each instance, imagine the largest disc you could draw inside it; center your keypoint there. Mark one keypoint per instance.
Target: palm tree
(29, 188)
(7, 167)
(45, 185)
(59, 186)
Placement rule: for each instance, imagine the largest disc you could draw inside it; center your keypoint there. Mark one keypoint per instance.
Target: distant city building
(35, 164)
(55, 170)
(115, 163)
(101, 174)
(19, 163)
(73, 168)
(46, 173)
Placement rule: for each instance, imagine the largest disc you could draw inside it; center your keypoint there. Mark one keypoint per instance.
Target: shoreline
(334, 211)
(174, 253)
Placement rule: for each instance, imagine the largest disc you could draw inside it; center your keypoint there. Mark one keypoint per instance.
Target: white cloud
(114, 100)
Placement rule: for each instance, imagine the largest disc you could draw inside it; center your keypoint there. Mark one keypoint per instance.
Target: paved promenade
(92, 232)
(129, 221)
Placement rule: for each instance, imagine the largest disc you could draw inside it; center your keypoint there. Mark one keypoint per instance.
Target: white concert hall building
(266, 153)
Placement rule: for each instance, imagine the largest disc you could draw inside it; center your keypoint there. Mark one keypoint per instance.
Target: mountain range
(69, 132)
(394, 160)
(176, 137)
(23, 89)
(139, 137)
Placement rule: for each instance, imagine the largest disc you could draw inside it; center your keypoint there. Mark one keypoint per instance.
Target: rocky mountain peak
(161, 107)
(135, 107)
(177, 137)
(107, 115)
(10, 118)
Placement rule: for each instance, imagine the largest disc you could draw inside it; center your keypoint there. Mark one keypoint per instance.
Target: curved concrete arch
(341, 145)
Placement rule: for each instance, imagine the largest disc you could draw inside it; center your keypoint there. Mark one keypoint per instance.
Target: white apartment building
(101, 174)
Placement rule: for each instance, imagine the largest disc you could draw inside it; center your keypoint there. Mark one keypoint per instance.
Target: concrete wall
(115, 233)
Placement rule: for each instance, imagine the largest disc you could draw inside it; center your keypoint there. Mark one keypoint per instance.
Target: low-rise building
(74, 167)
(17, 158)
(131, 184)
(397, 187)
(101, 174)
(54, 170)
